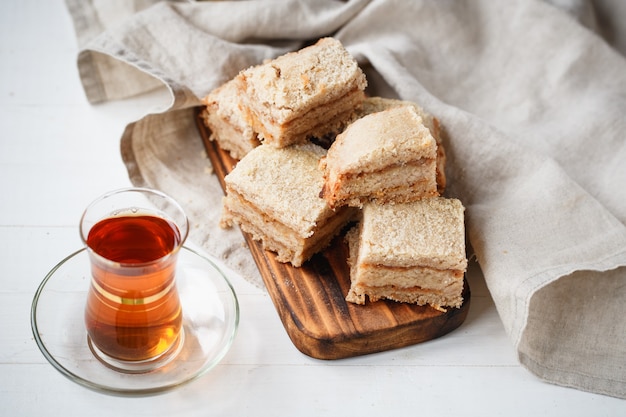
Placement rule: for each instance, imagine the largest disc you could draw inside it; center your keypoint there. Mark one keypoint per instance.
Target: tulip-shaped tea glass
(133, 313)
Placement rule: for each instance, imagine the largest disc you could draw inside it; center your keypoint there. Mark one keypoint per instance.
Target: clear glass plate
(210, 320)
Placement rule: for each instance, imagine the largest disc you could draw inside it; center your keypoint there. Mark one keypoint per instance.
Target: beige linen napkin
(533, 101)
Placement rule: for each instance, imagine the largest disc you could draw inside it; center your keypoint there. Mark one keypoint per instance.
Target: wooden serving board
(310, 300)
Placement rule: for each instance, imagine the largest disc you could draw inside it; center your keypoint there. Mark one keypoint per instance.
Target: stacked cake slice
(409, 252)
(387, 156)
(378, 104)
(273, 194)
(303, 94)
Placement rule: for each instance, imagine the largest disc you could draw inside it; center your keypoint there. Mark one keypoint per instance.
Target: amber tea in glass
(133, 313)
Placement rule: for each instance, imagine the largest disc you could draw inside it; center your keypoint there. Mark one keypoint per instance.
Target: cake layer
(376, 275)
(451, 297)
(329, 118)
(373, 142)
(290, 245)
(418, 276)
(428, 232)
(398, 183)
(240, 210)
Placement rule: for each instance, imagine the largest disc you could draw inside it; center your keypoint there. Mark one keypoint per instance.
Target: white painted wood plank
(233, 390)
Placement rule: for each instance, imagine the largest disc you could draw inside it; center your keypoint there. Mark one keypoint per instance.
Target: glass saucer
(210, 320)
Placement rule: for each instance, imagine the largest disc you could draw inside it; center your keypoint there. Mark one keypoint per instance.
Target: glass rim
(141, 190)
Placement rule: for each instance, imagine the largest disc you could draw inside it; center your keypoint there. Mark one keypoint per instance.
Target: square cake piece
(412, 252)
(376, 104)
(273, 194)
(309, 93)
(226, 121)
(388, 156)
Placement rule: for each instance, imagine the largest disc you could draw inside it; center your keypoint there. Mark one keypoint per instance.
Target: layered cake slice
(412, 252)
(376, 104)
(273, 194)
(384, 156)
(226, 121)
(309, 93)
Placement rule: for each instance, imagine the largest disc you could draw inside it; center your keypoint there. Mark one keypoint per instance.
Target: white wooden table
(57, 153)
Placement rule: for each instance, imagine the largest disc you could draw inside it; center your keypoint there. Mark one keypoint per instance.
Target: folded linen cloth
(532, 96)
